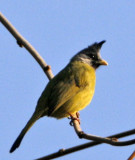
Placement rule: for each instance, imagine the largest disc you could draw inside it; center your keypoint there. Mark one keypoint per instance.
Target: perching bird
(70, 91)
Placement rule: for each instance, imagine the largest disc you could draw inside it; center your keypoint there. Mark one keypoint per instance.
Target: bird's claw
(74, 118)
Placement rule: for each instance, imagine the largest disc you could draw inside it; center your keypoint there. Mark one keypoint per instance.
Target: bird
(70, 91)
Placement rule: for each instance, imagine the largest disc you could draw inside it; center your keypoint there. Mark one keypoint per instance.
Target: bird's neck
(83, 68)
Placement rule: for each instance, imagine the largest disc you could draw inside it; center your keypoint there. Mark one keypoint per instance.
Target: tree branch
(132, 156)
(22, 42)
(63, 152)
(112, 141)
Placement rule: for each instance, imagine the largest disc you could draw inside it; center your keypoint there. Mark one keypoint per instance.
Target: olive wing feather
(63, 87)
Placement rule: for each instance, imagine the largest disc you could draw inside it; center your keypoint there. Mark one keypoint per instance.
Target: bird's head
(91, 55)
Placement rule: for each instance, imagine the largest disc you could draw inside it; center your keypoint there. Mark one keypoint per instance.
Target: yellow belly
(77, 103)
(83, 97)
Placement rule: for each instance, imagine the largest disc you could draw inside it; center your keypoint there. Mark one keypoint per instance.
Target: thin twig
(63, 152)
(21, 41)
(132, 156)
(112, 141)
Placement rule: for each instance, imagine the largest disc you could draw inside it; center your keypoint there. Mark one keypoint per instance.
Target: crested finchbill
(70, 91)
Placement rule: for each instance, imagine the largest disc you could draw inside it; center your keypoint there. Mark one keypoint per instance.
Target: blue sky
(58, 30)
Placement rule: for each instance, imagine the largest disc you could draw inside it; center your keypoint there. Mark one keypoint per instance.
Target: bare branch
(112, 141)
(132, 156)
(21, 41)
(63, 152)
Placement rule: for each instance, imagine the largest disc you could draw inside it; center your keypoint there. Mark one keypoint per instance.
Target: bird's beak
(103, 62)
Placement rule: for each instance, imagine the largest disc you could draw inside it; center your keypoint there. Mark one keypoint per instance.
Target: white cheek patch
(85, 60)
(98, 54)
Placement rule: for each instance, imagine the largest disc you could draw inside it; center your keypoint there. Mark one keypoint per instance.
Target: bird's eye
(92, 56)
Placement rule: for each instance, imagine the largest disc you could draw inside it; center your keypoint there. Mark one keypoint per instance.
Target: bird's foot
(78, 114)
(72, 117)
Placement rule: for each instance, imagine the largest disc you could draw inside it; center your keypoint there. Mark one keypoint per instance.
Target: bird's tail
(30, 123)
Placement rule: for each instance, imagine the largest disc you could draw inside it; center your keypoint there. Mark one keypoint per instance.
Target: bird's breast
(84, 75)
(85, 79)
(80, 85)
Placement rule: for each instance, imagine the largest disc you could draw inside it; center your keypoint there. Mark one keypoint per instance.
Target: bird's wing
(63, 87)
(60, 89)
